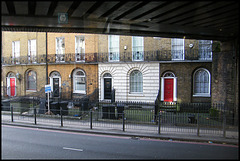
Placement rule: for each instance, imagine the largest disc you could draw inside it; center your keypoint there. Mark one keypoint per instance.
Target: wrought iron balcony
(24, 60)
(157, 55)
(140, 56)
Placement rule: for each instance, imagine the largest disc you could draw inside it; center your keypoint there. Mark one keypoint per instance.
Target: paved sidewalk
(116, 129)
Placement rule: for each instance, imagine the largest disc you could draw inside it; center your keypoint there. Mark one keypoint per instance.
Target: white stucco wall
(120, 80)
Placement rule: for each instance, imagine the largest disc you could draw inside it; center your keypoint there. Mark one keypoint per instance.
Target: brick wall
(184, 73)
(91, 45)
(23, 37)
(66, 70)
(22, 70)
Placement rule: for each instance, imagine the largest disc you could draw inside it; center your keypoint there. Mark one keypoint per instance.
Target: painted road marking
(74, 149)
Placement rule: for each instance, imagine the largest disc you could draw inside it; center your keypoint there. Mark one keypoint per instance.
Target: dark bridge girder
(216, 20)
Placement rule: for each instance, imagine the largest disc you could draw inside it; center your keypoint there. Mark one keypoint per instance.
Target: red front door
(168, 90)
(12, 86)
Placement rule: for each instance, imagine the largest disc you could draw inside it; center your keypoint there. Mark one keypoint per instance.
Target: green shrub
(214, 113)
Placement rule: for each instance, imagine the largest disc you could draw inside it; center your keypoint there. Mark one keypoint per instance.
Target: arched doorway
(168, 87)
(55, 82)
(107, 86)
(11, 84)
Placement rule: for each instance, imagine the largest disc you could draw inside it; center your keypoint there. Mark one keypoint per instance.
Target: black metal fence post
(198, 130)
(159, 123)
(12, 113)
(61, 116)
(123, 121)
(35, 115)
(224, 124)
(91, 118)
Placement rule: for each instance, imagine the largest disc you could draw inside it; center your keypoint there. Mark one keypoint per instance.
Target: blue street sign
(47, 88)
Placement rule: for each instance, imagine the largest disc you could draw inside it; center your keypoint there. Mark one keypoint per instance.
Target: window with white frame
(60, 49)
(31, 80)
(136, 82)
(32, 51)
(137, 48)
(177, 49)
(205, 50)
(16, 52)
(79, 83)
(202, 82)
(113, 47)
(79, 49)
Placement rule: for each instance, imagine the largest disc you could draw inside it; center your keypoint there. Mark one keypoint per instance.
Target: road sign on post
(48, 90)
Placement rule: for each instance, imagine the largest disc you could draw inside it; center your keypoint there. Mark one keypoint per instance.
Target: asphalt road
(33, 143)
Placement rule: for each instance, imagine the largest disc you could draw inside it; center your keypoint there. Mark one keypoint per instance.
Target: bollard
(12, 113)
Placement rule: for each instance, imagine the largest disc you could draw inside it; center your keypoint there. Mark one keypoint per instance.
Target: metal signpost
(48, 90)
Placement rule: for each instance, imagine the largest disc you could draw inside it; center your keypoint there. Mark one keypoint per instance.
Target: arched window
(107, 75)
(201, 84)
(31, 80)
(136, 81)
(168, 74)
(79, 83)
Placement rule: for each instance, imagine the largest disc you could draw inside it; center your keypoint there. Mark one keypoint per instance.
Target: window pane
(136, 81)
(80, 73)
(79, 48)
(113, 47)
(177, 49)
(137, 48)
(80, 84)
(79, 81)
(60, 45)
(205, 49)
(201, 82)
(32, 80)
(15, 49)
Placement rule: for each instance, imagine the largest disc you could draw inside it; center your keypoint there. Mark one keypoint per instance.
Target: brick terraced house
(136, 68)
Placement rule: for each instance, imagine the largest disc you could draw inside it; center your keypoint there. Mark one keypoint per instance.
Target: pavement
(231, 136)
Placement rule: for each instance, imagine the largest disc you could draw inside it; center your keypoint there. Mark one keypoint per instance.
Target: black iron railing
(146, 56)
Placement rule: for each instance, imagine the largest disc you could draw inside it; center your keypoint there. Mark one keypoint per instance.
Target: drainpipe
(46, 94)
(46, 62)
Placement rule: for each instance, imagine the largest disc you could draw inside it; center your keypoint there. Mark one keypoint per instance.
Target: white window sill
(201, 95)
(113, 60)
(136, 94)
(29, 90)
(79, 92)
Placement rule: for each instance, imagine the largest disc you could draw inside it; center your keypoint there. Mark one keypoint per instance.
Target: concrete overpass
(215, 20)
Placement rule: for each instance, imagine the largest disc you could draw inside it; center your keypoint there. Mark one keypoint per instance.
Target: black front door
(107, 88)
(55, 87)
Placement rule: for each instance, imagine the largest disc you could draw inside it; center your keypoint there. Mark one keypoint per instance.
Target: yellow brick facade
(23, 37)
(95, 46)
(91, 45)
(66, 70)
